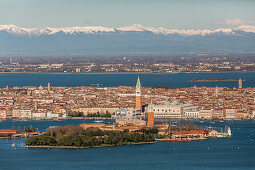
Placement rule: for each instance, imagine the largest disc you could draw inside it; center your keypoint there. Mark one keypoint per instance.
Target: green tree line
(73, 135)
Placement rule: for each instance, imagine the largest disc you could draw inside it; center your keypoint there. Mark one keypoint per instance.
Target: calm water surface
(171, 80)
(236, 152)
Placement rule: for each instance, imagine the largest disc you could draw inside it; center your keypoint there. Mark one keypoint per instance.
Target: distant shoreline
(76, 147)
(122, 72)
(214, 79)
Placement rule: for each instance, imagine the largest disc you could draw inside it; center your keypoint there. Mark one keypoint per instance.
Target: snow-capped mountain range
(134, 39)
(135, 27)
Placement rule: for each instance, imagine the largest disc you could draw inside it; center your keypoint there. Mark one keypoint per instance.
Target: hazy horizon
(175, 14)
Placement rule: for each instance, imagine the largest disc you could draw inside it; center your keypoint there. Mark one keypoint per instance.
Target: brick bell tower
(240, 83)
(150, 115)
(138, 95)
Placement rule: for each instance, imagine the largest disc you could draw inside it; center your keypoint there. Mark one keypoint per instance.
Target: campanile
(138, 95)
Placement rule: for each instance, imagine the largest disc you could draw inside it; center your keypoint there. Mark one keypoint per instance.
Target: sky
(172, 14)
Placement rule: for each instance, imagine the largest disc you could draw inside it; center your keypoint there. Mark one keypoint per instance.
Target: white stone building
(205, 113)
(230, 113)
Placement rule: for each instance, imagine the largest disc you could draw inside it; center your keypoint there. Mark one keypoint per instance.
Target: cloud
(235, 22)
(246, 28)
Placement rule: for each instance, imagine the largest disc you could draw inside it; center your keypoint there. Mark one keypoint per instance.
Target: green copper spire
(138, 84)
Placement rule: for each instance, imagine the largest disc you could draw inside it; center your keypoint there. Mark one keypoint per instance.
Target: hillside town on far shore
(167, 103)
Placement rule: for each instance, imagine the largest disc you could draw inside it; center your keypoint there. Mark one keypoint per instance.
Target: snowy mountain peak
(135, 28)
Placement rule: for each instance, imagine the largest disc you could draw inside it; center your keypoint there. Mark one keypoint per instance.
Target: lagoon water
(108, 80)
(236, 152)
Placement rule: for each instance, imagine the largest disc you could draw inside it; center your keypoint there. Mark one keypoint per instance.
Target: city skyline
(127, 84)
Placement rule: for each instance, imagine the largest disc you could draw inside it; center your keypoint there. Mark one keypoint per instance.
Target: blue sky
(174, 14)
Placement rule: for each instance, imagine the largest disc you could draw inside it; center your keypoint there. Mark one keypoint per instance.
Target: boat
(13, 145)
(225, 133)
(98, 121)
(229, 132)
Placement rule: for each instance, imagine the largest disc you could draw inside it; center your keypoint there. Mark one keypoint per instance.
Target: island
(216, 79)
(74, 136)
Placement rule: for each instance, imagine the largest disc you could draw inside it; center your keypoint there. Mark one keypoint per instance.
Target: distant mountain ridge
(134, 39)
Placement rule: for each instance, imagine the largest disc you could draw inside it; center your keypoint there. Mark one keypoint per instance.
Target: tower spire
(138, 83)
(139, 97)
(240, 83)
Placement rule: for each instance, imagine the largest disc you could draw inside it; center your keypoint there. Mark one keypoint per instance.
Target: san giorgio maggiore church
(172, 110)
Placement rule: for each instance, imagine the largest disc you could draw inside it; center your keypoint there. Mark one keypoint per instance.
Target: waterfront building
(51, 115)
(39, 115)
(205, 113)
(127, 116)
(24, 113)
(174, 110)
(191, 114)
(139, 97)
(230, 113)
(167, 111)
(8, 132)
(16, 113)
(219, 114)
(3, 114)
(240, 114)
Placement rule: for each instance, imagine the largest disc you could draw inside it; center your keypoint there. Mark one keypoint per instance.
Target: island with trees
(74, 136)
(215, 79)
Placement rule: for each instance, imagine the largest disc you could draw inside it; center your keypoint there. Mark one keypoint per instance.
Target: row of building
(187, 103)
(181, 110)
(30, 114)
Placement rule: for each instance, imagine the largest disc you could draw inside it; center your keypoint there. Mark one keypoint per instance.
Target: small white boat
(14, 145)
(98, 121)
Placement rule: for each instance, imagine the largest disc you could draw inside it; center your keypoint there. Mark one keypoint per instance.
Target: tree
(73, 135)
